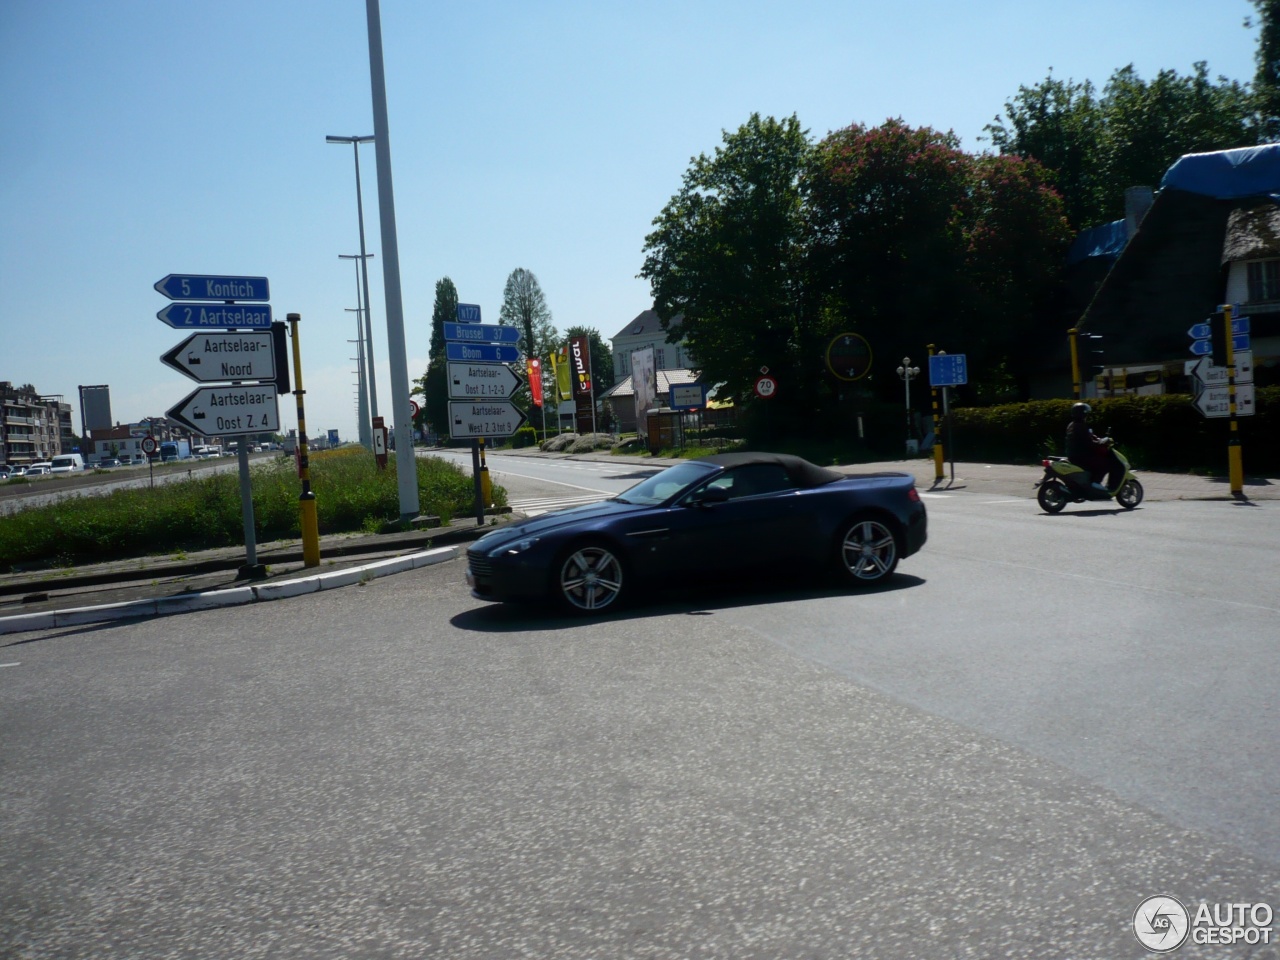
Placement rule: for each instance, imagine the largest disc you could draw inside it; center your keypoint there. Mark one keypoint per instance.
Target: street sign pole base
(252, 571)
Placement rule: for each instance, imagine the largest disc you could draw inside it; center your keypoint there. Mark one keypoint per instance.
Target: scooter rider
(1091, 452)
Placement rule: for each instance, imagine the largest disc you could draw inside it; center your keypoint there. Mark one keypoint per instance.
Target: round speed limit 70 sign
(766, 387)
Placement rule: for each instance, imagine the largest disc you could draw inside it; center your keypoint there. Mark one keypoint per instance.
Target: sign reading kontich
(235, 409)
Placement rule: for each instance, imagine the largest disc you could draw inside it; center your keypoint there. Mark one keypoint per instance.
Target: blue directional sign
(948, 370)
(1202, 331)
(213, 316)
(191, 286)
(482, 352)
(1202, 348)
(468, 313)
(481, 333)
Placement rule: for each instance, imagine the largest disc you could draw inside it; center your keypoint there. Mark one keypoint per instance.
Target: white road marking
(10, 664)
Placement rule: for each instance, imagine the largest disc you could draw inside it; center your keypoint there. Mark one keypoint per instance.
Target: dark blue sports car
(734, 513)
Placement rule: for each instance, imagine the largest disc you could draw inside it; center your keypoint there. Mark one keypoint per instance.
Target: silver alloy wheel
(869, 551)
(591, 579)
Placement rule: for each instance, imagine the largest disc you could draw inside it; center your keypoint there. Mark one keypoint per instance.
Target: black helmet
(1080, 410)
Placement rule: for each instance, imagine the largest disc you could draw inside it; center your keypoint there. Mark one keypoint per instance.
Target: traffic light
(1218, 339)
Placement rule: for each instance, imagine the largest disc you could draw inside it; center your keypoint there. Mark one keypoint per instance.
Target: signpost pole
(1075, 362)
(307, 500)
(1235, 465)
(475, 475)
(251, 569)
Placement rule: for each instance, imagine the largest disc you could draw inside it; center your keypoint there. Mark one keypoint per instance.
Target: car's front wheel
(590, 578)
(868, 551)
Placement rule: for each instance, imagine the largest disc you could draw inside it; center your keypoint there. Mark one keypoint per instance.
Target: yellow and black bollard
(938, 455)
(307, 500)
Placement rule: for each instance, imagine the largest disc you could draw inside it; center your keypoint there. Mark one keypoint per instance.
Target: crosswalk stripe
(534, 507)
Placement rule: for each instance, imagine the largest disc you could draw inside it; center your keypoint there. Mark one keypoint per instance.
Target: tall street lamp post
(368, 323)
(906, 372)
(366, 370)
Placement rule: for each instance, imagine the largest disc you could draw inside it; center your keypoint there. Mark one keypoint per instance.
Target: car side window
(752, 480)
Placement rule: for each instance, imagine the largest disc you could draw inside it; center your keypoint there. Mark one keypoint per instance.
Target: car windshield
(663, 486)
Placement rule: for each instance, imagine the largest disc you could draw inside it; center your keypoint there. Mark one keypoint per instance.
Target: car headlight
(520, 546)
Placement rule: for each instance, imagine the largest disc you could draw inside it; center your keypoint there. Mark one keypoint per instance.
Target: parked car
(18, 471)
(40, 470)
(108, 463)
(730, 514)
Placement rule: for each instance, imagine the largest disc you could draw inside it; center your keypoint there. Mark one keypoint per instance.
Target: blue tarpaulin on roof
(1228, 174)
(1106, 240)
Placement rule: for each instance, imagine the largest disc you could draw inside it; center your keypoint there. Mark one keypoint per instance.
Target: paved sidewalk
(156, 586)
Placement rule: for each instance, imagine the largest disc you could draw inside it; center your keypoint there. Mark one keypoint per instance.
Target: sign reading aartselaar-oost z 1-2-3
(193, 286)
(209, 316)
(215, 411)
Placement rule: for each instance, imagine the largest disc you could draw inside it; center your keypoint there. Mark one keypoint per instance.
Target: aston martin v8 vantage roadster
(736, 513)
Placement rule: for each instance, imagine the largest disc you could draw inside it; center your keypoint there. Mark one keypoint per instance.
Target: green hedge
(1163, 432)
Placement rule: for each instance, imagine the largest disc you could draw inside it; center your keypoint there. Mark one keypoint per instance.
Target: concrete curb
(234, 596)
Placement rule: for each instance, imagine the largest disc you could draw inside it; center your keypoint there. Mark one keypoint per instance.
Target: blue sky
(144, 138)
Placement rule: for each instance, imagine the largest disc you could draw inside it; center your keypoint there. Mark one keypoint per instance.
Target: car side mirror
(708, 496)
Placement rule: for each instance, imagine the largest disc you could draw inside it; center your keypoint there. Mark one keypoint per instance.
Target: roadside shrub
(1163, 432)
(524, 437)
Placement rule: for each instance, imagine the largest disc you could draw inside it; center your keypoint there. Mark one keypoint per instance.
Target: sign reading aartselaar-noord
(190, 286)
(210, 357)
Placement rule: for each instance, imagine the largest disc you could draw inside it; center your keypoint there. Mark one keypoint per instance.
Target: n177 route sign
(218, 411)
(482, 381)
(195, 286)
(213, 316)
(209, 357)
(468, 313)
(484, 418)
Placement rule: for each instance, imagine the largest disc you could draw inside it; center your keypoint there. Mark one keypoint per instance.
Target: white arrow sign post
(484, 418)
(482, 381)
(230, 410)
(214, 357)
(1216, 401)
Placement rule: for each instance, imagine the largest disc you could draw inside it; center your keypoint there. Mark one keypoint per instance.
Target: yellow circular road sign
(849, 356)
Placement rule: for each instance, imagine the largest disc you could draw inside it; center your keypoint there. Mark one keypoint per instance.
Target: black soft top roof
(802, 472)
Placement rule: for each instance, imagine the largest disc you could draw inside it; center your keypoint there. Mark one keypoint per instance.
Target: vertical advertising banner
(580, 372)
(534, 366)
(643, 387)
(564, 381)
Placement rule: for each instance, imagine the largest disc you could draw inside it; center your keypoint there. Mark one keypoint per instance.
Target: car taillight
(1045, 462)
(913, 496)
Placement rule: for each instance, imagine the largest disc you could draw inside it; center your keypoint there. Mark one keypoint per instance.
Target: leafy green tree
(1266, 81)
(1097, 146)
(525, 306)
(918, 242)
(728, 252)
(1057, 122)
(434, 383)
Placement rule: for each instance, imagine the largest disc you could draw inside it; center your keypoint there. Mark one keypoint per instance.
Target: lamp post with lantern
(907, 372)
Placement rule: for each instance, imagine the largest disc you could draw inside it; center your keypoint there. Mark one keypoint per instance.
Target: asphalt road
(1041, 722)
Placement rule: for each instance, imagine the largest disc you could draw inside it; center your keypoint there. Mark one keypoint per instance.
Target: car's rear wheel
(868, 550)
(590, 578)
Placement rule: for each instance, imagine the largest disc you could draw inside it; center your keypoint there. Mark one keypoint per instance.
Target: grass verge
(203, 512)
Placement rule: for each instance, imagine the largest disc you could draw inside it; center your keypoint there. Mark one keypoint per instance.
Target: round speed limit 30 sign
(766, 387)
